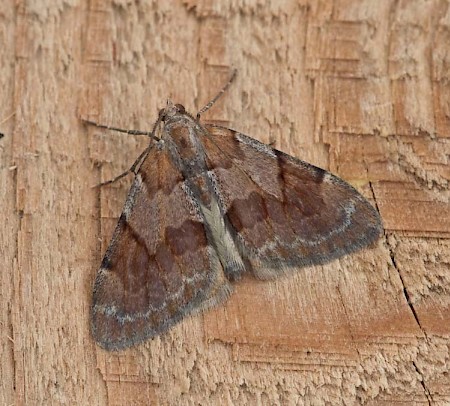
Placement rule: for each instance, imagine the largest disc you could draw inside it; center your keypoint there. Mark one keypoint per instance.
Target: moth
(207, 205)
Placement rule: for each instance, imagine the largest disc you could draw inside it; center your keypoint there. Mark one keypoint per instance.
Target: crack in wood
(405, 291)
(349, 326)
(422, 382)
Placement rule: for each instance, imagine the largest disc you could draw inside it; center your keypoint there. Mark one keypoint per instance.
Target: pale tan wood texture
(361, 88)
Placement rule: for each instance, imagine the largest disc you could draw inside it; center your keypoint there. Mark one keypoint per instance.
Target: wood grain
(358, 87)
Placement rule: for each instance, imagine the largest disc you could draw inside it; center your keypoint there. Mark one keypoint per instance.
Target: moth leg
(218, 95)
(131, 170)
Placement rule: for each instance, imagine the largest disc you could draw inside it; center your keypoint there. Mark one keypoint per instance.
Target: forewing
(285, 212)
(160, 265)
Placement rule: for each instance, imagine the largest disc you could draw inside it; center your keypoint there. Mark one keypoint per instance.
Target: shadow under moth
(207, 205)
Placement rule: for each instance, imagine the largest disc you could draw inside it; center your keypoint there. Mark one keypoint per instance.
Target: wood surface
(361, 88)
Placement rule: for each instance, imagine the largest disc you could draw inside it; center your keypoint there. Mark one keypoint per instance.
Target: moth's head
(171, 110)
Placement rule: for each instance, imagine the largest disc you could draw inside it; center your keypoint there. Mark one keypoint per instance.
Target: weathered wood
(360, 88)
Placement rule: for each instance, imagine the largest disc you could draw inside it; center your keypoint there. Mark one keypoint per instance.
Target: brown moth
(207, 205)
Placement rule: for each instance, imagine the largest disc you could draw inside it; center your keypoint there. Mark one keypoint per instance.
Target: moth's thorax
(183, 135)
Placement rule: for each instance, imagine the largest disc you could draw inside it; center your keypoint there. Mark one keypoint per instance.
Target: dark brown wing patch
(286, 212)
(154, 272)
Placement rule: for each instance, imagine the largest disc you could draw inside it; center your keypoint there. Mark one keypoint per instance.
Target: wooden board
(358, 87)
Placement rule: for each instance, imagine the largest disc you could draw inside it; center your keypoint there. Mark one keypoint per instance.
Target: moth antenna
(218, 95)
(121, 130)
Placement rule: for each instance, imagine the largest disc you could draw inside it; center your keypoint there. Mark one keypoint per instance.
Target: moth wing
(160, 265)
(285, 212)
